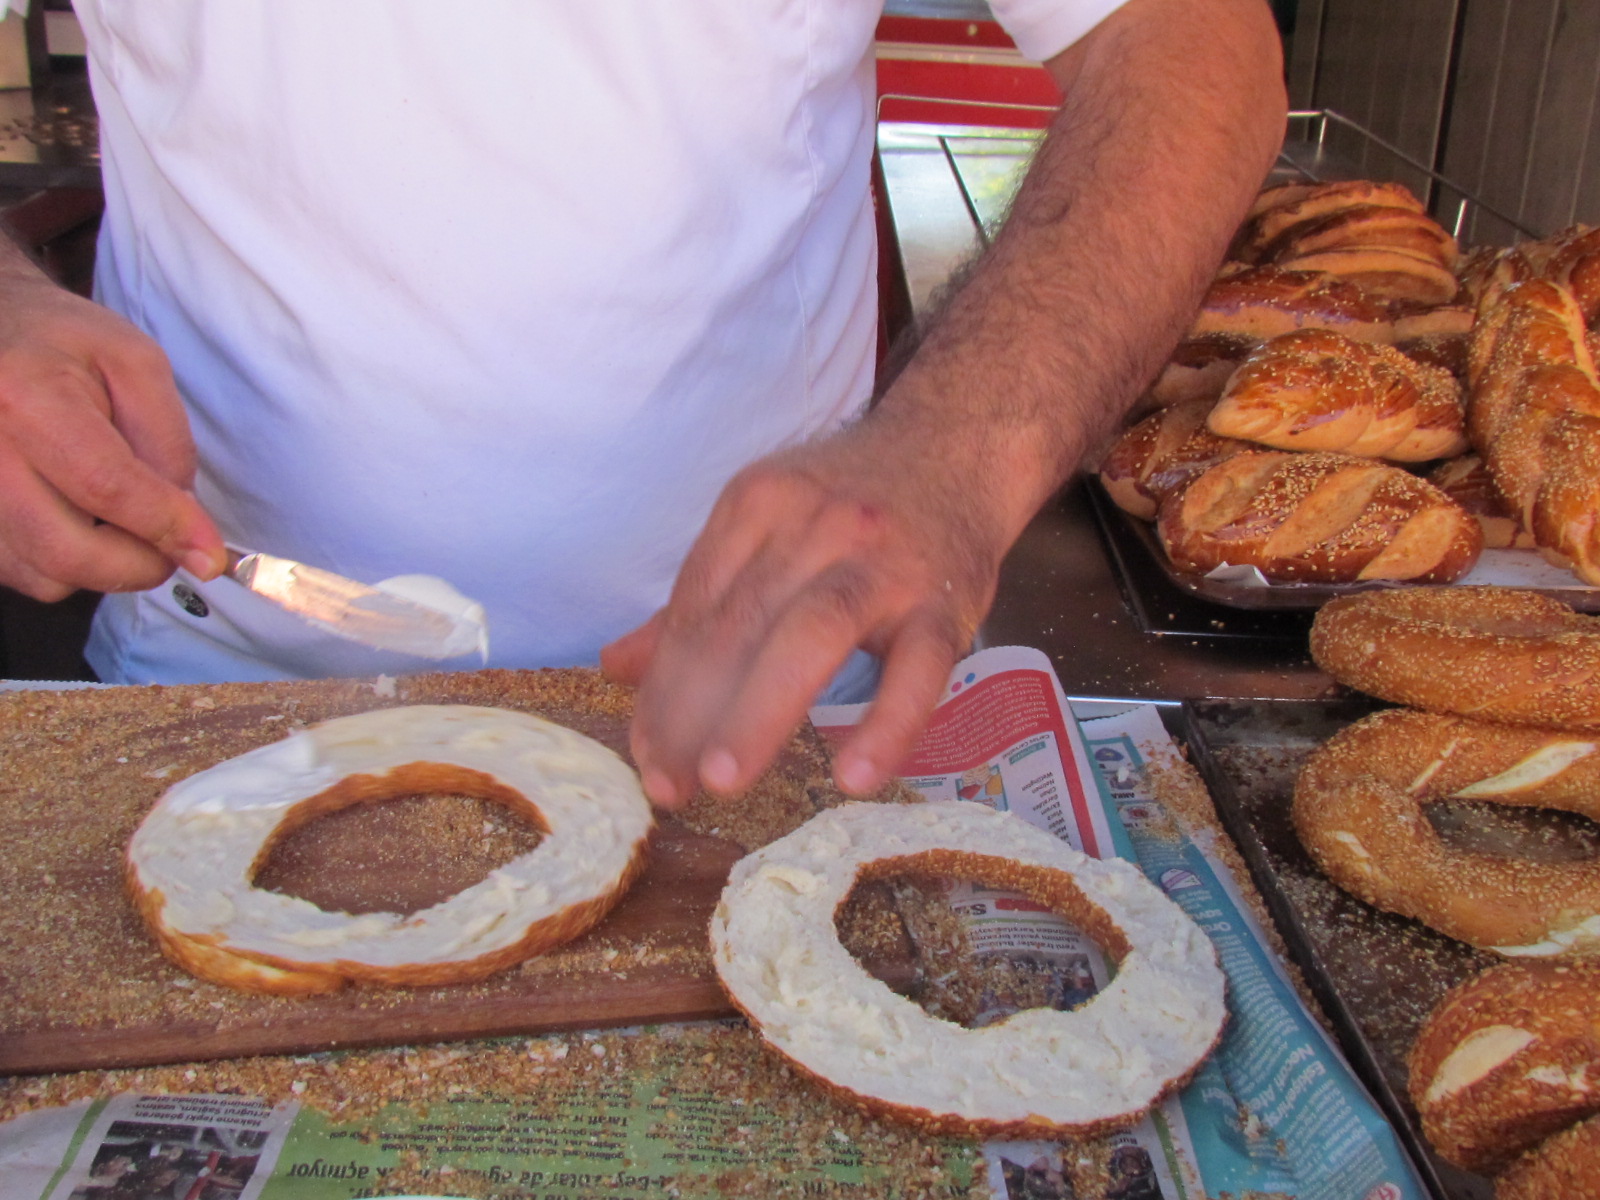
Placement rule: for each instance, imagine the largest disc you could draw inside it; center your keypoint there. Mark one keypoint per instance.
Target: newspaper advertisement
(1274, 1111)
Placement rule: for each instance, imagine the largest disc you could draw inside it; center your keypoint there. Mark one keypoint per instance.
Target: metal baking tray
(1375, 975)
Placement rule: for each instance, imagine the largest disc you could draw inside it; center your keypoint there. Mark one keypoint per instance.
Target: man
(517, 295)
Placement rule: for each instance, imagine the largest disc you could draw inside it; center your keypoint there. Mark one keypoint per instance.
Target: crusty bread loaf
(1366, 226)
(1494, 653)
(1377, 236)
(1277, 195)
(1505, 1060)
(1160, 454)
(1488, 271)
(1533, 324)
(1565, 1165)
(1440, 321)
(1386, 272)
(1534, 416)
(1318, 517)
(1314, 389)
(1575, 264)
(1359, 811)
(1263, 302)
(1198, 369)
(1278, 210)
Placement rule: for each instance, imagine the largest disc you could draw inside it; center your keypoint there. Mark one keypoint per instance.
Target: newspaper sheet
(1274, 1112)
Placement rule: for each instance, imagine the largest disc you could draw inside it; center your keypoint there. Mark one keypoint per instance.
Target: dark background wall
(1498, 95)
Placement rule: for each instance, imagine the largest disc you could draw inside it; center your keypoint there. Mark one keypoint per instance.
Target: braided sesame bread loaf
(1318, 517)
(1534, 416)
(1161, 454)
(1319, 390)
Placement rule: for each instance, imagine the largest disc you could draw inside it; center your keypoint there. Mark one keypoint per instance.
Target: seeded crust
(1510, 1102)
(1058, 891)
(1262, 302)
(1497, 654)
(208, 957)
(1574, 263)
(1055, 887)
(1319, 390)
(1534, 416)
(1160, 454)
(1318, 517)
(1358, 808)
(1566, 1165)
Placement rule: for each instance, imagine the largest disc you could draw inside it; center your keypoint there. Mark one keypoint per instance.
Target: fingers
(147, 410)
(85, 459)
(807, 556)
(719, 703)
(762, 614)
(783, 674)
(95, 459)
(915, 671)
(627, 659)
(796, 664)
(49, 548)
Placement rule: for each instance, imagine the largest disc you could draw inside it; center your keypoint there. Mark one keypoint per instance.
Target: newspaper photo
(175, 1148)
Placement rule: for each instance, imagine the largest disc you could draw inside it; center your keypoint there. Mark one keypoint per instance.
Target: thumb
(628, 658)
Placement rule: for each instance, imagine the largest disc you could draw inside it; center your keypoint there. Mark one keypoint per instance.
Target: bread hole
(981, 953)
(389, 845)
(1541, 835)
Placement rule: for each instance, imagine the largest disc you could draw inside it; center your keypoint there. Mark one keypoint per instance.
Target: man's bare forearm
(889, 534)
(1173, 113)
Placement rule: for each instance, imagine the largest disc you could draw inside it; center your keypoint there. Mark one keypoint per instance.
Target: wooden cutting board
(82, 984)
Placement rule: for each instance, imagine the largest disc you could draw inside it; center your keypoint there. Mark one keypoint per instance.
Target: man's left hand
(860, 539)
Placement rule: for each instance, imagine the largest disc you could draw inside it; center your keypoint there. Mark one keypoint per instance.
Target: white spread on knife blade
(471, 628)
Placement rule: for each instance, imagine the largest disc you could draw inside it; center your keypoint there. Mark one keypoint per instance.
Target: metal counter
(1114, 627)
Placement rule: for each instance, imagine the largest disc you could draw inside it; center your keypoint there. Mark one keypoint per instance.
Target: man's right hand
(96, 459)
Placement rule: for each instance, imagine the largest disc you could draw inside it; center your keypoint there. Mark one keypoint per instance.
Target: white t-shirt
(502, 293)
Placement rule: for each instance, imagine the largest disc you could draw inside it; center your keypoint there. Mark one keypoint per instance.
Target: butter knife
(414, 614)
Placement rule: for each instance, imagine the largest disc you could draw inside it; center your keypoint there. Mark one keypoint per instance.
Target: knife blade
(413, 614)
